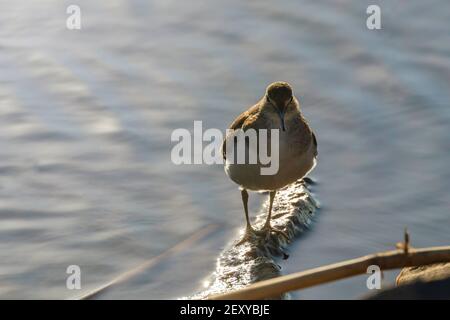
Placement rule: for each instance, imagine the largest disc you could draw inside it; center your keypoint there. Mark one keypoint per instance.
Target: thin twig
(148, 264)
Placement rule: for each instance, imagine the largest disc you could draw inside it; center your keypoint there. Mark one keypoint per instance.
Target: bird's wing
(238, 123)
(315, 143)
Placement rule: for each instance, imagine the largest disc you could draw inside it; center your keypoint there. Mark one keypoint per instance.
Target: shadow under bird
(297, 149)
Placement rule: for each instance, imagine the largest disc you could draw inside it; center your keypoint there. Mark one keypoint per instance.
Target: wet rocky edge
(428, 273)
(419, 283)
(422, 282)
(241, 265)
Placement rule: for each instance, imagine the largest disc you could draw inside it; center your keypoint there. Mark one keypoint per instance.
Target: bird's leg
(267, 226)
(249, 231)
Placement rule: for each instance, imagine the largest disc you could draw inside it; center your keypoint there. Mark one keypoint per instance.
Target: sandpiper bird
(297, 144)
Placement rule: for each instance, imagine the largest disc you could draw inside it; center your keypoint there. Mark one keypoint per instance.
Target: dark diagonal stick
(148, 264)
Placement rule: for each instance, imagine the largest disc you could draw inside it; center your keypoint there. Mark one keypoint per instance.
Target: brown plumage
(278, 109)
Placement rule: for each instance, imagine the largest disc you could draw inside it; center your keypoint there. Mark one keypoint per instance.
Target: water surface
(86, 118)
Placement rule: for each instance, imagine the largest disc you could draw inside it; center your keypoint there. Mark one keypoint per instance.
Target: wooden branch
(405, 257)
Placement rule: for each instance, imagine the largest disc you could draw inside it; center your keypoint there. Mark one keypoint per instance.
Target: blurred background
(86, 117)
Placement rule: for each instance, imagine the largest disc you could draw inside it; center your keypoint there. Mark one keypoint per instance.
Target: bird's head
(280, 95)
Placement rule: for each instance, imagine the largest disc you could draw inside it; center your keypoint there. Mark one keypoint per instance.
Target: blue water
(86, 118)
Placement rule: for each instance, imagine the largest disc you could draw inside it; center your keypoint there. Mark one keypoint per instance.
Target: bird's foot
(249, 234)
(268, 229)
(264, 233)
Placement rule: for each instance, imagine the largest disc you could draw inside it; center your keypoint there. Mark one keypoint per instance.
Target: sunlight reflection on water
(86, 118)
